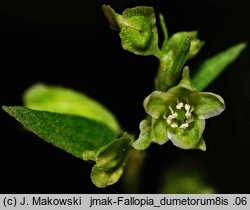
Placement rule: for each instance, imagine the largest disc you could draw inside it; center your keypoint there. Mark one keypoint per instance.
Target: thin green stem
(133, 171)
(164, 30)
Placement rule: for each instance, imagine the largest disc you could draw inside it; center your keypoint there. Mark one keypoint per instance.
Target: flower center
(181, 116)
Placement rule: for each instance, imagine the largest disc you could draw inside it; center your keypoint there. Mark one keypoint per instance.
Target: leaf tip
(243, 45)
(110, 14)
(6, 109)
(11, 110)
(240, 47)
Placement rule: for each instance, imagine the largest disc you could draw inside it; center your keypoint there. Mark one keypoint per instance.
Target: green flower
(178, 115)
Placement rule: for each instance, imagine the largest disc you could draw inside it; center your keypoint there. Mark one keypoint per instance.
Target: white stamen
(187, 107)
(171, 117)
(179, 105)
(174, 125)
(175, 115)
(189, 120)
(169, 120)
(184, 125)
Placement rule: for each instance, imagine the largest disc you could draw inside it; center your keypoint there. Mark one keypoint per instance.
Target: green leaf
(110, 161)
(67, 101)
(73, 134)
(137, 28)
(211, 68)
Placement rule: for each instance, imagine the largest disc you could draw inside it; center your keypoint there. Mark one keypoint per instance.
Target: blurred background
(69, 43)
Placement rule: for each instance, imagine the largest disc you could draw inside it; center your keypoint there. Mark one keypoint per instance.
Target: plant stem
(132, 172)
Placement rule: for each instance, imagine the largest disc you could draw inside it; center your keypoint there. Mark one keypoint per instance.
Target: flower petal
(187, 138)
(157, 103)
(207, 105)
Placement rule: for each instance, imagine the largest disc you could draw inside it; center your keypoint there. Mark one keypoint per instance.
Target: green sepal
(110, 161)
(103, 178)
(151, 130)
(145, 138)
(184, 85)
(137, 28)
(178, 115)
(67, 101)
(202, 144)
(188, 138)
(211, 68)
(74, 134)
(159, 131)
(155, 103)
(207, 105)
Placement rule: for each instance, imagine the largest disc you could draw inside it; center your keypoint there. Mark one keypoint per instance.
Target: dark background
(69, 43)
